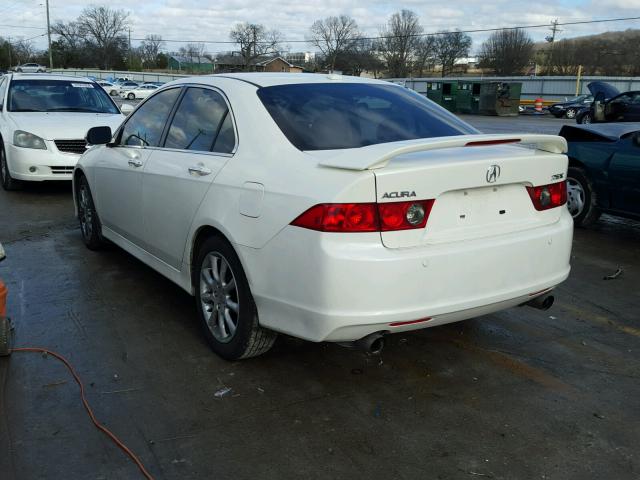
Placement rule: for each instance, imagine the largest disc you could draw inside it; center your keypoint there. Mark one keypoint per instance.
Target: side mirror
(99, 136)
(127, 108)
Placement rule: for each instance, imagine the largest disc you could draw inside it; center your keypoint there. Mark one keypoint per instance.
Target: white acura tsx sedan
(329, 208)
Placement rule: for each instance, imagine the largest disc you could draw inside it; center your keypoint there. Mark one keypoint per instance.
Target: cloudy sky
(210, 20)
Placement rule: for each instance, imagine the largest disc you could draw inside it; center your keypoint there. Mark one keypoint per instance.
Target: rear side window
(144, 127)
(327, 116)
(202, 123)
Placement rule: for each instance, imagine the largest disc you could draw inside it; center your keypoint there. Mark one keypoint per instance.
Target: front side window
(200, 123)
(327, 116)
(144, 127)
(58, 96)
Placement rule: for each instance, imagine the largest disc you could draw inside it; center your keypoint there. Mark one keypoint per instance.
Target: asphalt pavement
(520, 394)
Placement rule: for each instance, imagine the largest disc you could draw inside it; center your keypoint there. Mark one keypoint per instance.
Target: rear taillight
(340, 217)
(404, 215)
(549, 196)
(365, 217)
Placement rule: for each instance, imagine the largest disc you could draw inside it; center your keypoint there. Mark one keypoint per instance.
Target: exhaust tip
(376, 347)
(543, 302)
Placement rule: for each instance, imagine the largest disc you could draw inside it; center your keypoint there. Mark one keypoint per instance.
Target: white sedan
(142, 91)
(44, 123)
(329, 208)
(109, 87)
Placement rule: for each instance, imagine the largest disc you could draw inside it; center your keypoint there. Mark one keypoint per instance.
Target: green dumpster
(468, 96)
(434, 92)
(500, 98)
(449, 95)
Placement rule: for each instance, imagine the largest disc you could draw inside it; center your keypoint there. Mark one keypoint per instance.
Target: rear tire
(226, 308)
(571, 113)
(90, 226)
(581, 198)
(131, 96)
(8, 182)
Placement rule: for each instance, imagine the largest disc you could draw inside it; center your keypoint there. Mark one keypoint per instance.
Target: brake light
(484, 143)
(340, 217)
(365, 217)
(549, 196)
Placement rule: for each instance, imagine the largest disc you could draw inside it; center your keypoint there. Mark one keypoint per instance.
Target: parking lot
(521, 394)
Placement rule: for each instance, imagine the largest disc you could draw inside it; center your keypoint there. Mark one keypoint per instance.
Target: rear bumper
(328, 287)
(49, 164)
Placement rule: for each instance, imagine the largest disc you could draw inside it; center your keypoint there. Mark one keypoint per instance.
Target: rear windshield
(328, 116)
(58, 96)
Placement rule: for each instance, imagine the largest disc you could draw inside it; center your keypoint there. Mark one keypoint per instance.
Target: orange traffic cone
(3, 299)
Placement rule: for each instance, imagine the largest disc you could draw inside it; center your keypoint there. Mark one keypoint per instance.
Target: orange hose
(4, 291)
(98, 425)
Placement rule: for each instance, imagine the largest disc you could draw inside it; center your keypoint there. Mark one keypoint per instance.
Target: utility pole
(551, 39)
(10, 62)
(130, 50)
(49, 38)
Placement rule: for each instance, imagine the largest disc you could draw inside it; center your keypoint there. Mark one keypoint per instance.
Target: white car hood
(64, 125)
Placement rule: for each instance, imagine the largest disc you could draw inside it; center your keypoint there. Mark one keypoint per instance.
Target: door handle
(199, 170)
(134, 162)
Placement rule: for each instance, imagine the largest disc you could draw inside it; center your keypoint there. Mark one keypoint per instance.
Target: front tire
(586, 119)
(131, 96)
(113, 93)
(89, 222)
(581, 198)
(227, 312)
(8, 182)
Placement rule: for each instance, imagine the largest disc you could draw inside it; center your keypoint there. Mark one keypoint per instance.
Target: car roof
(49, 76)
(261, 79)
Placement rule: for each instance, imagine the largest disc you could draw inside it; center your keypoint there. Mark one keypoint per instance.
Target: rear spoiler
(377, 156)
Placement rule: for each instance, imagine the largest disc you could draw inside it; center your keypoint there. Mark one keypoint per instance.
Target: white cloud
(207, 20)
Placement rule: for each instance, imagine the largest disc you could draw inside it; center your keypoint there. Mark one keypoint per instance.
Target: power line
(22, 26)
(555, 24)
(380, 37)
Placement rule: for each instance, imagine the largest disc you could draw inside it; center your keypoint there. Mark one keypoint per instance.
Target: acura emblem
(493, 173)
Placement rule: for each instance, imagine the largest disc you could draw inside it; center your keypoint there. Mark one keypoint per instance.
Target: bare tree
(105, 28)
(255, 42)
(150, 48)
(400, 39)
(451, 47)
(23, 51)
(334, 35)
(507, 52)
(425, 56)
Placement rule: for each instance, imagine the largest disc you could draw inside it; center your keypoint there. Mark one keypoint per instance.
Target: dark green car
(604, 170)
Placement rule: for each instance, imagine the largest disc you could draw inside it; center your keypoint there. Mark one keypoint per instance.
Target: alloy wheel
(219, 299)
(4, 169)
(85, 212)
(575, 197)
(571, 113)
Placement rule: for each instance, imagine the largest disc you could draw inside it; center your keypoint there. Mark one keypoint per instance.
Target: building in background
(300, 58)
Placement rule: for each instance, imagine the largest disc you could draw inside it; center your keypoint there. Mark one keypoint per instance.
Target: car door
(199, 141)
(624, 175)
(632, 110)
(118, 171)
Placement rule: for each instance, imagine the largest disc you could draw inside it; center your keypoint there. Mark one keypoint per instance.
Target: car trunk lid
(478, 192)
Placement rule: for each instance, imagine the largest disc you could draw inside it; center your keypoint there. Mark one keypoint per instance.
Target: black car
(571, 107)
(609, 105)
(604, 170)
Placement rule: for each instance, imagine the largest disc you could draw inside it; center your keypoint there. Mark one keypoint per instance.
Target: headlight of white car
(28, 140)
